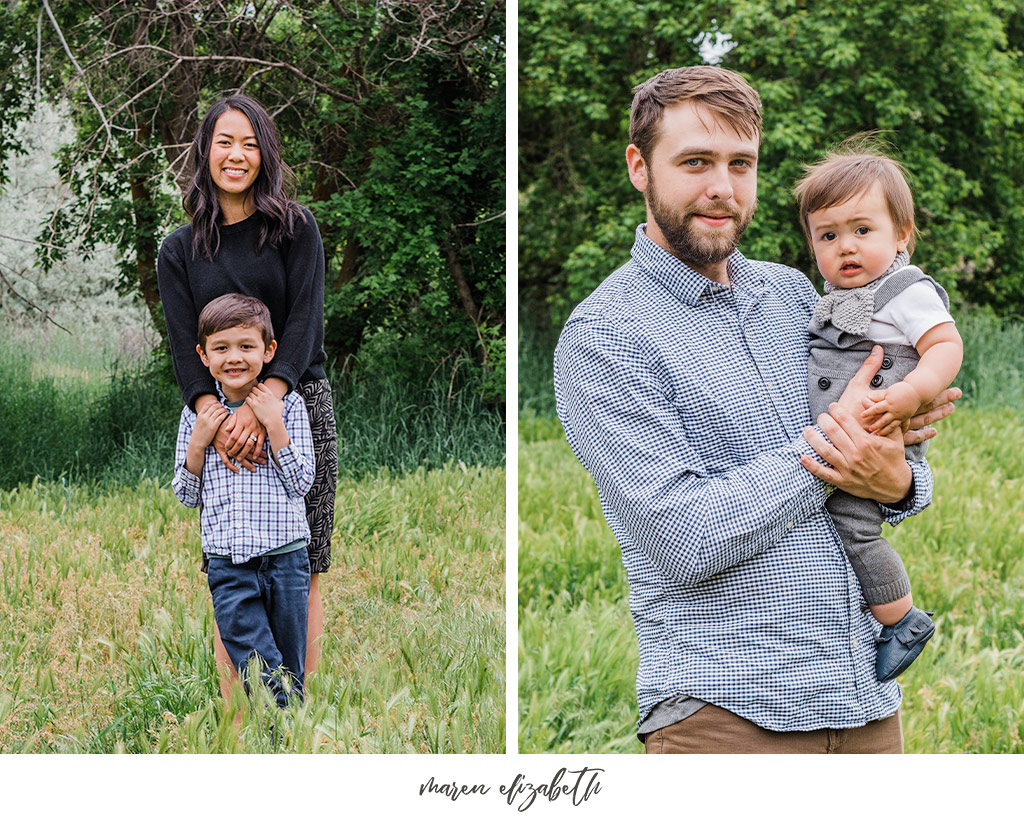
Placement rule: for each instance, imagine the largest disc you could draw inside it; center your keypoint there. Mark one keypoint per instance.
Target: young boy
(857, 212)
(253, 524)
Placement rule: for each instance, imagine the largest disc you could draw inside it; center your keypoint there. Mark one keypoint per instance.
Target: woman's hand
(241, 438)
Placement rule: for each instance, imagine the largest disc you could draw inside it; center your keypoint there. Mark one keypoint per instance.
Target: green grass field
(106, 623)
(577, 647)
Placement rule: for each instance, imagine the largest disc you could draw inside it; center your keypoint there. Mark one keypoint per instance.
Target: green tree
(942, 80)
(390, 111)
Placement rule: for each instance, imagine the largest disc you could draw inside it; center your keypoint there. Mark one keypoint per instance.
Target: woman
(247, 236)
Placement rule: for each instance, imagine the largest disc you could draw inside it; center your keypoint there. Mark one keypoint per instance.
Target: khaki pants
(714, 730)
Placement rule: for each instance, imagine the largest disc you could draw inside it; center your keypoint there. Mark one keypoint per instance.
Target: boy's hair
(720, 91)
(232, 310)
(850, 169)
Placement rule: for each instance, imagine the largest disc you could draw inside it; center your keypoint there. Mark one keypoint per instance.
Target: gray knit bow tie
(850, 310)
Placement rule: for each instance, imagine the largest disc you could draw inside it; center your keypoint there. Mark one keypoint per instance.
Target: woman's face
(234, 155)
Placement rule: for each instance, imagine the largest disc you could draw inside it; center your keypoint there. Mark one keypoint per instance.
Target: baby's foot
(901, 643)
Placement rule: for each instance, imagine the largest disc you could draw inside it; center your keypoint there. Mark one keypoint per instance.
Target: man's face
(700, 182)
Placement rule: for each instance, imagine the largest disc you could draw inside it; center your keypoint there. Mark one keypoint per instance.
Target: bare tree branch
(71, 57)
(35, 243)
(25, 300)
(485, 220)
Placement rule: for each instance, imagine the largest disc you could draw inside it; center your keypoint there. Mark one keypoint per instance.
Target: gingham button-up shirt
(245, 514)
(685, 400)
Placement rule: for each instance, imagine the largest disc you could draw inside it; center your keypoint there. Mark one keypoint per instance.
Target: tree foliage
(391, 112)
(941, 80)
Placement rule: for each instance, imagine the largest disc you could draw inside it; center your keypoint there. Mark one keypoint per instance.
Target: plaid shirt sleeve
(296, 464)
(691, 522)
(922, 488)
(185, 485)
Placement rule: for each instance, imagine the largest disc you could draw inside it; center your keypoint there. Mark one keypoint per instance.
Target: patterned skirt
(320, 499)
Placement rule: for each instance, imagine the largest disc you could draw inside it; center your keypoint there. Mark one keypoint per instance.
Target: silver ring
(253, 438)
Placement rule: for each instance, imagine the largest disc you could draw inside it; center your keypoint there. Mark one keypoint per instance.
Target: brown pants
(714, 730)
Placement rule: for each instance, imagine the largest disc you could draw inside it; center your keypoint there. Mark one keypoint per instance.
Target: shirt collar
(685, 283)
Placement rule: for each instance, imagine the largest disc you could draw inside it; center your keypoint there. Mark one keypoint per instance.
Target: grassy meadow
(578, 649)
(106, 626)
(107, 623)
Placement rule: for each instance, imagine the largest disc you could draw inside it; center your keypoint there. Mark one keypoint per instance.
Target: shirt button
(824, 383)
(876, 381)
(854, 643)
(789, 524)
(887, 362)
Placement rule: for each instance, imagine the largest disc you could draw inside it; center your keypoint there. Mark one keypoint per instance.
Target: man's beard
(688, 242)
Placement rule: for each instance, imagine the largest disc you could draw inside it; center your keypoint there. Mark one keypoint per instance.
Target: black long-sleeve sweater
(288, 278)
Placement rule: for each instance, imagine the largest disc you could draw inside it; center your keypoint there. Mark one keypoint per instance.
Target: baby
(857, 212)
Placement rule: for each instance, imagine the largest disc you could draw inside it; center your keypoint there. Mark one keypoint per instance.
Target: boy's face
(235, 357)
(855, 241)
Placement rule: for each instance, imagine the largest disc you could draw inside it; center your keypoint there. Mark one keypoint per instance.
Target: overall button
(876, 381)
(887, 362)
(824, 383)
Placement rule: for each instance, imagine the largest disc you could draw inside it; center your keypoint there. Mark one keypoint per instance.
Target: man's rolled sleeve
(921, 486)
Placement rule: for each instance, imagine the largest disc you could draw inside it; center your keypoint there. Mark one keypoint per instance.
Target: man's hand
(862, 464)
(859, 387)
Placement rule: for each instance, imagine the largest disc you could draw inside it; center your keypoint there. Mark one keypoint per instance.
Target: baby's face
(856, 241)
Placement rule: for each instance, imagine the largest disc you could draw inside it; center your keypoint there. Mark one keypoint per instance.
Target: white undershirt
(906, 318)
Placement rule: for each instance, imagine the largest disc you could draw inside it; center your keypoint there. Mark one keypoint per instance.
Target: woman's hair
(269, 193)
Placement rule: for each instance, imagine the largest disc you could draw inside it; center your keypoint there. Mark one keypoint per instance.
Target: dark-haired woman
(247, 236)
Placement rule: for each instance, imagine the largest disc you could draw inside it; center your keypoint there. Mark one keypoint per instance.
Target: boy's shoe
(901, 643)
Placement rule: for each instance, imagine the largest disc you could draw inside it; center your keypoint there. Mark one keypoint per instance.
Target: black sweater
(288, 278)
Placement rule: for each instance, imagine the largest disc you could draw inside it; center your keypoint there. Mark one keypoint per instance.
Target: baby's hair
(232, 310)
(850, 169)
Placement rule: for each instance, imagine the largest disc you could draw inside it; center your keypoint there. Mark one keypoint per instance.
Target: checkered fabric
(685, 401)
(245, 514)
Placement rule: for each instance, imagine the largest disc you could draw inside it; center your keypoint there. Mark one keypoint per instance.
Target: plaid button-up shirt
(685, 400)
(244, 514)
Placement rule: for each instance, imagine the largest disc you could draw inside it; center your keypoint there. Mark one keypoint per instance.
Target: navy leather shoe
(901, 643)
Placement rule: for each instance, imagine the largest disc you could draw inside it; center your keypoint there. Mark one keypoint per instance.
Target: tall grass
(106, 625)
(577, 645)
(384, 421)
(88, 419)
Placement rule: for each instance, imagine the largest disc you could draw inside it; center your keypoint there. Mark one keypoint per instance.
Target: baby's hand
(265, 405)
(207, 423)
(891, 409)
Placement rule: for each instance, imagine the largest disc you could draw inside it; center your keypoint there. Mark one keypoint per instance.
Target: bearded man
(681, 382)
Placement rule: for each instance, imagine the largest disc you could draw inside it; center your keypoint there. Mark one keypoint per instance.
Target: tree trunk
(465, 293)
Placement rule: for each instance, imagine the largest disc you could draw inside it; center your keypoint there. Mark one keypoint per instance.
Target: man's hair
(231, 310)
(850, 169)
(719, 91)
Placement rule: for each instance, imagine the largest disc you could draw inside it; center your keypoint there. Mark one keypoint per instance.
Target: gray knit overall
(835, 357)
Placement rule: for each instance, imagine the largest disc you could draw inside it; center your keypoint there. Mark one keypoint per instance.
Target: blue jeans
(261, 607)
